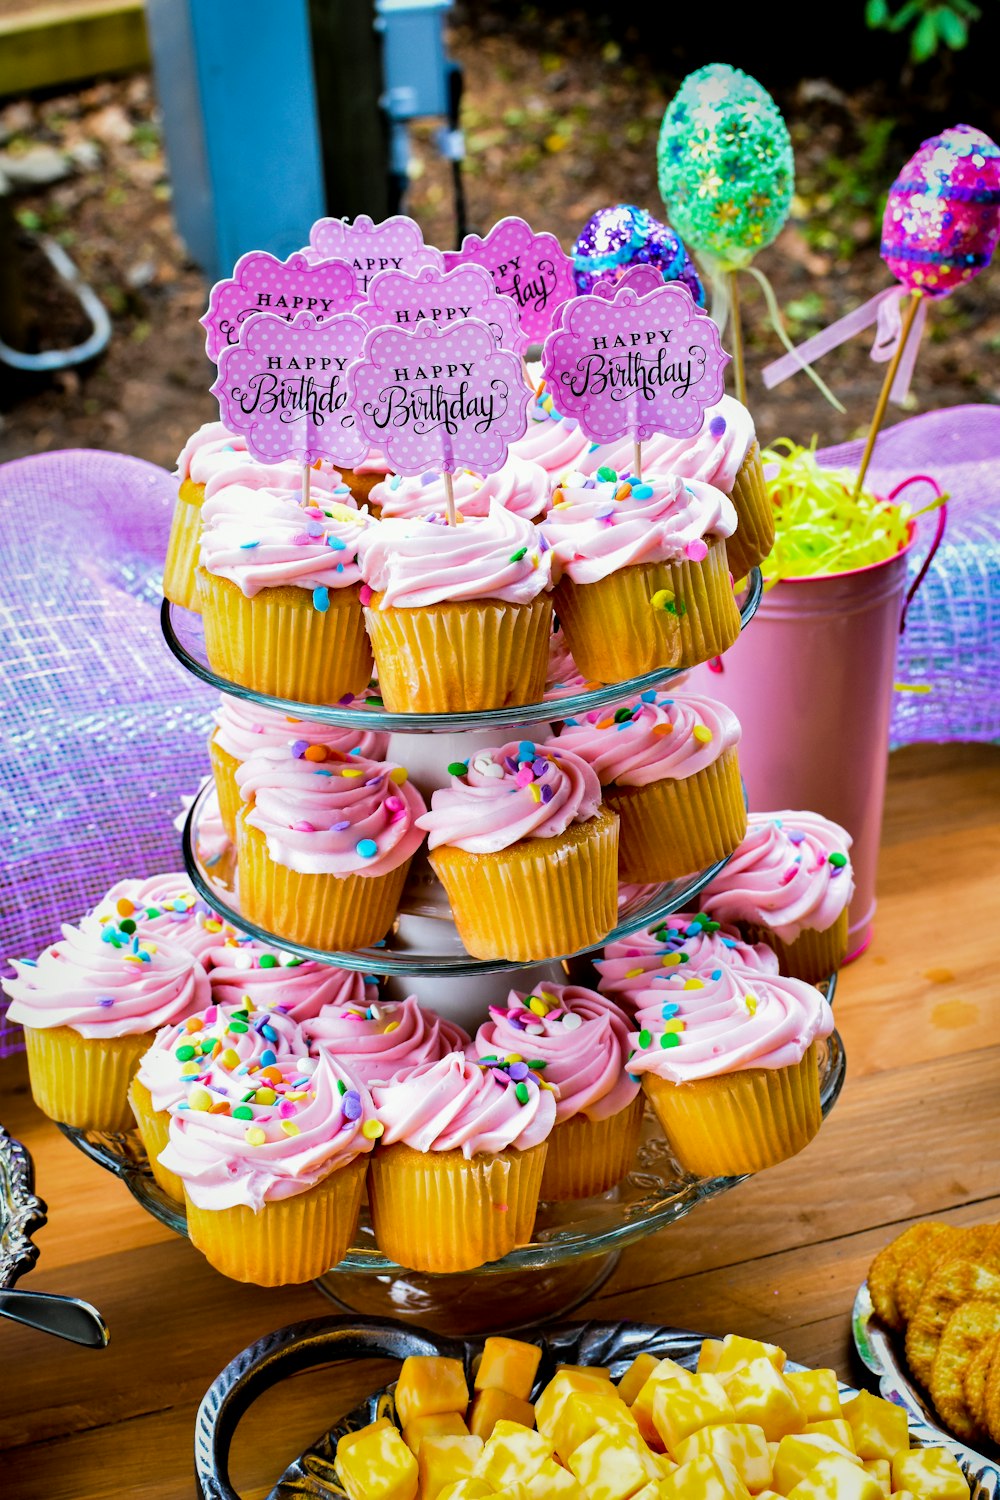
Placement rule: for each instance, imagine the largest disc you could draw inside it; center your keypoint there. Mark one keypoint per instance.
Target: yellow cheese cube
(743, 1445)
(708, 1356)
(375, 1464)
(664, 1371)
(430, 1383)
(434, 1424)
(760, 1394)
(607, 1469)
(491, 1406)
(903, 1495)
(553, 1482)
(650, 1491)
(512, 1453)
(600, 1370)
(586, 1413)
(635, 1377)
(509, 1365)
(444, 1460)
(466, 1489)
(704, 1478)
(817, 1393)
(559, 1389)
(930, 1474)
(837, 1477)
(737, 1352)
(798, 1453)
(679, 1410)
(837, 1428)
(879, 1427)
(880, 1469)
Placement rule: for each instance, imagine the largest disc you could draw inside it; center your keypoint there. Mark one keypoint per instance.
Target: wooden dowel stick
(883, 399)
(637, 460)
(739, 370)
(306, 477)
(449, 496)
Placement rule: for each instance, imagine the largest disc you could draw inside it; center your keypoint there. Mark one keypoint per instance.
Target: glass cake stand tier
(182, 631)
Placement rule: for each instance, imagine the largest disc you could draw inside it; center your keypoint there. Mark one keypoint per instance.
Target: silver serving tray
(22, 1214)
(303, 1346)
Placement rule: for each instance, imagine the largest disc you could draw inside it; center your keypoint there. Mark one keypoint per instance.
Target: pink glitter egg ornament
(942, 218)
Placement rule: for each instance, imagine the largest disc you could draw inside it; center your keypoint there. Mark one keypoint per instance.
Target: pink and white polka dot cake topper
(395, 244)
(398, 299)
(283, 387)
(262, 283)
(439, 398)
(630, 365)
(533, 270)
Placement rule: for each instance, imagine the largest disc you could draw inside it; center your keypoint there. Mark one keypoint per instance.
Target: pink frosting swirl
(417, 562)
(699, 1026)
(714, 454)
(103, 982)
(520, 486)
(521, 791)
(210, 450)
(380, 1042)
(633, 966)
(553, 441)
(165, 908)
(375, 463)
(272, 980)
(285, 478)
(582, 1039)
(652, 738)
(458, 1105)
(263, 538)
(791, 872)
(217, 1050)
(593, 533)
(348, 816)
(244, 729)
(312, 1123)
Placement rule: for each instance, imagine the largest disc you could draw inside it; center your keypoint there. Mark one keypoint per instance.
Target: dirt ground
(560, 119)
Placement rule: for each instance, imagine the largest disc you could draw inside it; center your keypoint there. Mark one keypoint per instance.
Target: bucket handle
(942, 521)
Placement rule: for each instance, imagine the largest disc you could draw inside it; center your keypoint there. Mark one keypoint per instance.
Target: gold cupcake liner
(457, 658)
(180, 570)
(278, 642)
(438, 1211)
(83, 1081)
(321, 911)
(677, 825)
(590, 1156)
(289, 1239)
(741, 1121)
(615, 630)
(812, 956)
(754, 535)
(154, 1132)
(538, 899)
(224, 768)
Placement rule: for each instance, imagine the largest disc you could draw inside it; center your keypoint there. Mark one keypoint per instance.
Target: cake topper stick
(449, 498)
(887, 384)
(637, 458)
(306, 471)
(739, 369)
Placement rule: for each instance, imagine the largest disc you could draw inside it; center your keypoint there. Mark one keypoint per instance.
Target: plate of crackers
(927, 1323)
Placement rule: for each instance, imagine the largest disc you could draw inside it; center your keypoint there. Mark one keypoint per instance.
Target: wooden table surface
(915, 1134)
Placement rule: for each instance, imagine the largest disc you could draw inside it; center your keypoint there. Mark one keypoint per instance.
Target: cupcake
(164, 907)
(243, 729)
(564, 676)
(90, 1005)
(216, 1051)
(269, 979)
(668, 767)
(631, 965)
(208, 451)
(323, 850)
(553, 441)
(459, 616)
(579, 1042)
(362, 479)
(273, 1183)
(279, 587)
(642, 579)
(456, 1177)
(383, 1040)
(789, 885)
(526, 852)
(726, 454)
(729, 1061)
(521, 487)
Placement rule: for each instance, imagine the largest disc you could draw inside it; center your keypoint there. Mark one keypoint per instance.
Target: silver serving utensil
(66, 1317)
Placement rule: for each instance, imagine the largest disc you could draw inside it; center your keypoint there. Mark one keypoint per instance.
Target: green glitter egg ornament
(725, 165)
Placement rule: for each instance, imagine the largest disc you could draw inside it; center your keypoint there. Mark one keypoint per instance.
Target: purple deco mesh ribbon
(103, 733)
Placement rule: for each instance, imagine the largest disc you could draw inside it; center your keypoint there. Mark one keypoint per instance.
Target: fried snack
(949, 1286)
(968, 1329)
(991, 1400)
(888, 1264)
(974, 1382)
(913, 1276)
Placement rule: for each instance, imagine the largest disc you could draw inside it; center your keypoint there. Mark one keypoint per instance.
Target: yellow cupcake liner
(224, 768)
(321, 911)
(754, 535)
(154, 1131)
(279, 643)
(438, 1211)
(180, 570)
(675, 826)
(83, 1081)
(741, 1121)
(650, 615)
(289, 1239)
(540, 898)
(458, 658)
(812, 956)
(590, 1156)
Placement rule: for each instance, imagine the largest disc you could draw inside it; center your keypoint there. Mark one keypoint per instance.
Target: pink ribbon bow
(885, 311)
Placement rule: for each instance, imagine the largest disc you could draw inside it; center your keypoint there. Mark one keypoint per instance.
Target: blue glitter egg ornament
(615, 239)
(725, 165)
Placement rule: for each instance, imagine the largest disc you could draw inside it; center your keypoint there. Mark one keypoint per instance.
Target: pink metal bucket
(811, 681)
